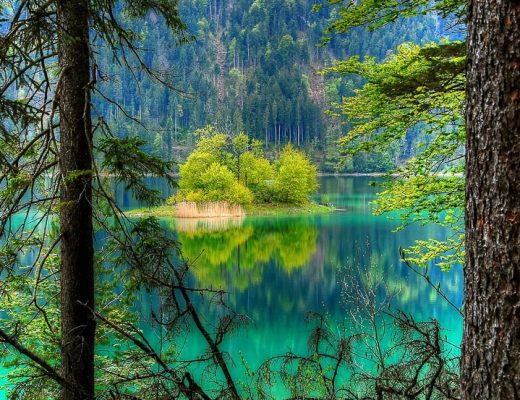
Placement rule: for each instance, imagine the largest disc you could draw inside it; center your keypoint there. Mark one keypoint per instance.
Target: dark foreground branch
(44, 365)
(191, 390)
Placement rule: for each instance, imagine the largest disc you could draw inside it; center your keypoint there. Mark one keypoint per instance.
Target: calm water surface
(276, 269)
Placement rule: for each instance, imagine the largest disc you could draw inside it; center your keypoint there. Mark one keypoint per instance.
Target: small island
(228, 176)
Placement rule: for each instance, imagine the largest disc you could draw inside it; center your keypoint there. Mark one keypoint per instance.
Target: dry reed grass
(208, 210)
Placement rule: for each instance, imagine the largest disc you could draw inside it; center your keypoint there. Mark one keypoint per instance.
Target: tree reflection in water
(231, 252)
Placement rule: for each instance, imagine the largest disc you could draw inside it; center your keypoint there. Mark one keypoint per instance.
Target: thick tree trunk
(491, 347)
(77, 254)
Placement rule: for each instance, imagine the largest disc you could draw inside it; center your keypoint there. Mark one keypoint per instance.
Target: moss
(165, 211)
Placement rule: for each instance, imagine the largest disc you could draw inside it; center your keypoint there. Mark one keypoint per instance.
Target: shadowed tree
(491, 346)
(77, 249)
(48, 157)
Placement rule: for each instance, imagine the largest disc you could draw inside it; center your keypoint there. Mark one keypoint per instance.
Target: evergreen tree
(254, 54)
(54, 194)
(491, 346)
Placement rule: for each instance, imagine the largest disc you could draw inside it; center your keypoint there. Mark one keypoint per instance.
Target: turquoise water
(277, 269)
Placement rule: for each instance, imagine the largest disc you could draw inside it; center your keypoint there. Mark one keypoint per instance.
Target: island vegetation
(229, 176)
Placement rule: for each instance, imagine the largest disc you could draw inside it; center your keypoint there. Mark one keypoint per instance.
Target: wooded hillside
(252, 66)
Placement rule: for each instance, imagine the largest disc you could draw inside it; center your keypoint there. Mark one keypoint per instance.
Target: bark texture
(491, 347)
(77, 254)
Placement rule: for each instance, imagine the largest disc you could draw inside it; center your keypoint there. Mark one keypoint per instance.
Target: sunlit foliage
(296, 177)
(415, 89)
(235, 170)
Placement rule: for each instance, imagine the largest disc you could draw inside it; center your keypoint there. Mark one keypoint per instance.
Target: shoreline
(257, 210)
(354, 174)
(320, 174)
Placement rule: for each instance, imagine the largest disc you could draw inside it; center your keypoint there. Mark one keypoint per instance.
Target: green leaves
(373, 14)
(215, 182)
(234, 170)
(411, 87)
(418, 90)
(296, 177)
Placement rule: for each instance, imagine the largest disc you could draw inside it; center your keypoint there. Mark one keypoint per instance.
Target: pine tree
(491, 346)
(49, 163)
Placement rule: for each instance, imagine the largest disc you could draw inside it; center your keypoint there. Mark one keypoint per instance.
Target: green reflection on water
(275, 269)
(235, 255)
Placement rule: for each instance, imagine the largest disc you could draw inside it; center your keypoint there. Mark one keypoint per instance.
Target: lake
(277, 269)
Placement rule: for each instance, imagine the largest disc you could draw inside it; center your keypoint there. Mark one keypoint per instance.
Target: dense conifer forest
(253, 67)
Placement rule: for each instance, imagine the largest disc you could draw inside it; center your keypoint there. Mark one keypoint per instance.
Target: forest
(245, 42)
(259, 199)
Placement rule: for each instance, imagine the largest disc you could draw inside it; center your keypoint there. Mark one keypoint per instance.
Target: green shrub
(221, 185)
(257, 174)
(235, 171)
(296, 178)
(213, 183)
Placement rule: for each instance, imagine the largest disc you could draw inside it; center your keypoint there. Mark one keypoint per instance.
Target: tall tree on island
(491, 346)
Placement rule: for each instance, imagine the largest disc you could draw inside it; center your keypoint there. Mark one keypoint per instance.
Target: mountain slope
(252, 67)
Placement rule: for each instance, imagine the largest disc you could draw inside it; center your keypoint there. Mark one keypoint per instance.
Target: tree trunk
(491, 346)
(77, 254)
